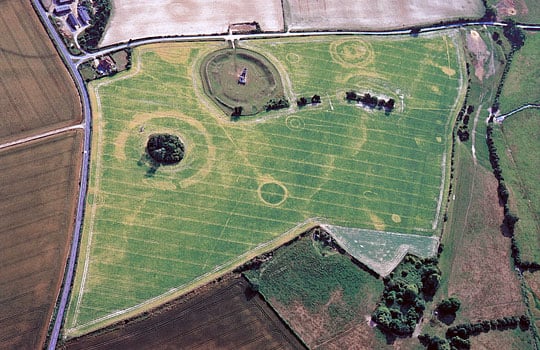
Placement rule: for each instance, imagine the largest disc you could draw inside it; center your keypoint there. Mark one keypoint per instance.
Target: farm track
(72, 62)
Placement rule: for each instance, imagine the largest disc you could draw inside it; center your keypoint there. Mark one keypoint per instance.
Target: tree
(165, 148)
(316, 99)
(514, 34)
(389, 105)
(449, 306)
(351, 96)
(301, 102)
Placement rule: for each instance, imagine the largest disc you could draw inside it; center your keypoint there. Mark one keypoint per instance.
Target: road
(72, 62)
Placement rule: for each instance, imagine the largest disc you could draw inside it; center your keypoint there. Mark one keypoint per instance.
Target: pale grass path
(41, 136)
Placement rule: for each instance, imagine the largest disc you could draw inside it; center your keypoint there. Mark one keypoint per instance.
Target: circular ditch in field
(235, 78)
(396, 218)
(351, 53)
(295, 123)
(272, 193)
(293, 58)
(370, 194)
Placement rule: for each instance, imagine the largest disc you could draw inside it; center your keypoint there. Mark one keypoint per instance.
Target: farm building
(72, 21)
(63, 2)
(84, 18)
(61, 10)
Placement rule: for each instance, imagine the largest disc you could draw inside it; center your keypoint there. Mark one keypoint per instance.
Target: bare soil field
(374, 15)
(481, 275)
(221, 315)
(140, 19)
(38, 187)
(36, 91)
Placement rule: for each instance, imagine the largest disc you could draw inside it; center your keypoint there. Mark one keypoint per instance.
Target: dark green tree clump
(404, 298)
(449, 306)
(165, 149)
(100, 11)
(276, 103)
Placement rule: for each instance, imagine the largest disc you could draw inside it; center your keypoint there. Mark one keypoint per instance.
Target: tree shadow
(150, 164)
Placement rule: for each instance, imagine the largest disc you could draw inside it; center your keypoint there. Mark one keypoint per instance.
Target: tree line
(371, 101)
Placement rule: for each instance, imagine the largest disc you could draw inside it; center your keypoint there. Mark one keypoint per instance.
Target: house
(61, 10)
(72, 22)
(84, 18)
(105, 66)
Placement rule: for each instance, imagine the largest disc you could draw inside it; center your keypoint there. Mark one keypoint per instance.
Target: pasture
(243, 186)
(320, 293)
(38, 187)
(382, 251)
(37, 93)
(225, 314)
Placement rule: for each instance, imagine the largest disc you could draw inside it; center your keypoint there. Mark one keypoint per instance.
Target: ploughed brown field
(38, 186)
(221, 315)
(36, 91)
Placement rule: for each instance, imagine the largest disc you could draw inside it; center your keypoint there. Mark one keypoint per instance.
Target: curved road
(73, 62)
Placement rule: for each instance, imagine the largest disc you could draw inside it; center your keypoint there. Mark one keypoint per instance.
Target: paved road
(502, 117)
(72, 63)
(68, 276)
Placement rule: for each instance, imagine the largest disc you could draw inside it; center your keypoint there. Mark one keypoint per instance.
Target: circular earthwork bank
(243, 78)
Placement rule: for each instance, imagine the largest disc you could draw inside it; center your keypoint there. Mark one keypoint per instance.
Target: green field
(517, 143)
(245, 183)
(521, 84)
(327, 285)
(382, 251)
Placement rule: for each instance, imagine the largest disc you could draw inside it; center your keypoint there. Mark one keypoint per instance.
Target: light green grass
(517, 144)
(521, 84)
(146, 236)
(382, 251)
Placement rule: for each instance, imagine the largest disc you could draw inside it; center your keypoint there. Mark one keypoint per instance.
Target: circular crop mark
(351, 53)
(272, 193)
(396, 218)
(199, 152)
(292, 58)
(240, 80)
(295, 123)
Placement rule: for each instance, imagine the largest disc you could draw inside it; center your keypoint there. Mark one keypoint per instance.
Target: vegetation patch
(165, 148)
(242, 82)
(382, 251)
(406, 291)
(318, 291)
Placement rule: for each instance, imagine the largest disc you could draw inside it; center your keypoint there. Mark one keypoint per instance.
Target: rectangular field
(38, 188)
(244, 184)
(36, 91)
(375, 15)
(141, 19)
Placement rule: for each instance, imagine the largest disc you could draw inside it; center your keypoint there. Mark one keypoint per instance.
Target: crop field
(321, 294)
(365, 14)
(36, 91)
(222, 315)
(38, 188)
(382, 251)
(243, 186)
(131, 19)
